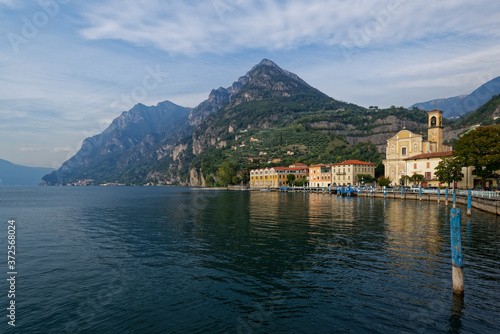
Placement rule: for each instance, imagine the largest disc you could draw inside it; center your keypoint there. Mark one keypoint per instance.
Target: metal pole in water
(402, 188)
(456, 251)
(439, 194)
(469, 203)
(454, 198)
(385, 192)
(420, 193)
(446, 196)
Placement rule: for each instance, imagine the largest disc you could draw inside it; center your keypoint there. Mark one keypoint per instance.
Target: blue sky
(68, 68)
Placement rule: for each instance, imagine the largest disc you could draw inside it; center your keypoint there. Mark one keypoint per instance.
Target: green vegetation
(449, 170)
(226, 173)
(404, 180)
(480, 148)
(483, 115)
(366, 178)
(384, 181)
(417, 179)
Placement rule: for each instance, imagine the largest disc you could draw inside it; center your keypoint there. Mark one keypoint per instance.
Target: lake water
(179, 260)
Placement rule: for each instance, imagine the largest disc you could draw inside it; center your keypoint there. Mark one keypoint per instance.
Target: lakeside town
(410, 161)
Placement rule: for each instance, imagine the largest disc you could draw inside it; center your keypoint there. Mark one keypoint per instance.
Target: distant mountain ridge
(17, 175)
(487, 114)
(129, 140)
(459, 105)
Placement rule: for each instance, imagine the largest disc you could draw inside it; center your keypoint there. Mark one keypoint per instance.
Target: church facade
(406, 144)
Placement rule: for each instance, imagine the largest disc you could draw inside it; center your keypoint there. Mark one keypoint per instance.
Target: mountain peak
(269, 63)
(265, 77)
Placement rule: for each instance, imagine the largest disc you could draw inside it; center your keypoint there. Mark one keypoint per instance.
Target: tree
(210, 181)
(300, 182)
(226, 173)
(384, 181)
(379, 170)
(290, 178)
(449, 170)
(480, 148)
(366, 178)
(404, 180)
(245, 176)
(417, 178)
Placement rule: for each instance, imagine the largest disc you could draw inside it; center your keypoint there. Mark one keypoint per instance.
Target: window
(428, 165)
(415, 165)
(403, 151)
(428, 175)
(415, 147)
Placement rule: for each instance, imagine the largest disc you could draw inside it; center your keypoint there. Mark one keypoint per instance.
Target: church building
(406, 144)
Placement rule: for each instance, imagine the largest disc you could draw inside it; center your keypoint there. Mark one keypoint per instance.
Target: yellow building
(406, 144)
(275, 177)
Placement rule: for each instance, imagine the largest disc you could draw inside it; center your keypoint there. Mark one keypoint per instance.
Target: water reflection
(455, 321)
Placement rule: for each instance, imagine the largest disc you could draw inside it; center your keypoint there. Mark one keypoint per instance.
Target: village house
(346, 173)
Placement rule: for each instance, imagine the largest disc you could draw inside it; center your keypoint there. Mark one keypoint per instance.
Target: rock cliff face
(265, 81)
(129, 139)
(261, 76)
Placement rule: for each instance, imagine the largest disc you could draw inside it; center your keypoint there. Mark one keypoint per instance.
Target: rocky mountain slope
(487, 114)
(129, 141)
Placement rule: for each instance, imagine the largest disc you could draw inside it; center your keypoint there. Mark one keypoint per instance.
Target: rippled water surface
(178, 260)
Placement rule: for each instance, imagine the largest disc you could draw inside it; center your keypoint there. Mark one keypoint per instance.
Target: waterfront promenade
(488, 201)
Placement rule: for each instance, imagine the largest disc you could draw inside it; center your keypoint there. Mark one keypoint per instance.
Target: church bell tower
(435, 131)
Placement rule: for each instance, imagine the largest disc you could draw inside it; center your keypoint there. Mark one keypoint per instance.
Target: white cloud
(229, 25)
(61, 149)
(29, 148)
(8, 3)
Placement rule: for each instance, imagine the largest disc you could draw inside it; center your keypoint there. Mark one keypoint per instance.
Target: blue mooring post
(469, 203)
(456, 251)
(439, 194)
(446, 196)
(420, 193)
(402, 188)
(454, 198)
(385, 192)
(371, 191)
